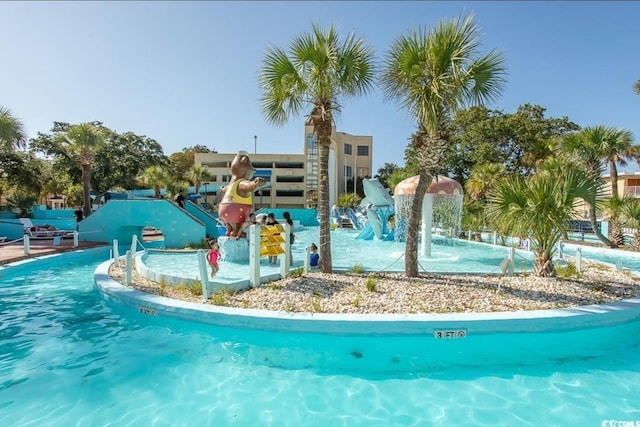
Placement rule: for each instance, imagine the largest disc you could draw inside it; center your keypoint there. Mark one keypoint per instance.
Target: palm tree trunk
(614, 178)
(326, 265)
(86, 190)
(636, 240)
(543, 265)
(617, 236)
(411, 245)
(596, 230)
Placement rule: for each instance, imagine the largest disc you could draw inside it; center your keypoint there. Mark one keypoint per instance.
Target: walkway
(15, 251)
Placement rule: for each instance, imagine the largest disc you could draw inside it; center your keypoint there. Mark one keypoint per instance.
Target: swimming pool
(447, 256)
(68, 357)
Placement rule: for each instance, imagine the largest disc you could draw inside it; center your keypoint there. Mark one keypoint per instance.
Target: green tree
(433, 74)
(519, 141)
(181, 162)
(348, 200)
(385, 172)
(82, 142)
(616, 151)
(540, 207)
(630, 213)
(591, 146)
(12, 134)
(155, 177)
(636, 87)
(320, 72)
(483, 179)
(197, 175)
(117, 161)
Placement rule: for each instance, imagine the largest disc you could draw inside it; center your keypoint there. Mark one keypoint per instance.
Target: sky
(186, 73)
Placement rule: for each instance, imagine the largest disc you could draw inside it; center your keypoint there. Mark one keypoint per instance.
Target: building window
(347, 148)
(347, 171)
(363, 150)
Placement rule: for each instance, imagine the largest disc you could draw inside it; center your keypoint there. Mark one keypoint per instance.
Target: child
(314, 258)
(271, 220)
(292, 234)
(245, 225)
(213, 256)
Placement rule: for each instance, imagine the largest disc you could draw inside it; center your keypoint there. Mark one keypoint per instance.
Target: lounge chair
(43, 231)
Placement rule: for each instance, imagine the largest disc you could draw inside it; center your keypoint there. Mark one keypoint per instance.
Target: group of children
(213, 256)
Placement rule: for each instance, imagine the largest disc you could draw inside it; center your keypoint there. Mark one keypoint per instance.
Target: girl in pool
(213, 256)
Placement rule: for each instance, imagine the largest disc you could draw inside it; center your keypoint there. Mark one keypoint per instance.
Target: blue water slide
(366, 233)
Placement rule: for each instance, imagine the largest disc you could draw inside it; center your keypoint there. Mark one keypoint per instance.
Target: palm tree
(630, 213)
(612, 207)
(432, 75)
(320, 72)
(540, 208)
(636, 87)
(592, 145)
(618, 149)
(483, 178)
(198, 175)
(12, 133)
(155, 177)
(82, 142)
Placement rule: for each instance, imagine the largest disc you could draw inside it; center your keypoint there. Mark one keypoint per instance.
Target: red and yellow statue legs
(234, 215)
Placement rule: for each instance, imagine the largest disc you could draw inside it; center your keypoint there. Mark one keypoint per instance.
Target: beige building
(628, 184)
(293, 178)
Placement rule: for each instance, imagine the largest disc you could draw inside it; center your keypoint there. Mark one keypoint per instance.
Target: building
(292, 179)
(628, 184)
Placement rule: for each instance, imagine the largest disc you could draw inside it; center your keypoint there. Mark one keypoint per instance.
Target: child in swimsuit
(213, 256)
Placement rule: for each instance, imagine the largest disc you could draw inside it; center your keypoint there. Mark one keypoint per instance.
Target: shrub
(371, 284)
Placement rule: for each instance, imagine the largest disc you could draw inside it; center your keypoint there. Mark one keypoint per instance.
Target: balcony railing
(632, 191)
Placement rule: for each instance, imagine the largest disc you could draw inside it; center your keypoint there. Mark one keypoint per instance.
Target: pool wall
(565, 319)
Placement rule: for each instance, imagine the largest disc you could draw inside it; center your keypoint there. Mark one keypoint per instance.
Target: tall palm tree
(591, 146)
(12, 135)
(636, 87)
(320, 72)
(630, 213)
(155, 177)
(618, 149)
(82, 142)
(541, 207)
(198, 175)
(433, 74)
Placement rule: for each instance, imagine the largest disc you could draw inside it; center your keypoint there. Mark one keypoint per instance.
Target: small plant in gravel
(162, 287)
(298, 272)
(316, 305)
(194, 288)
(221, 297)
(568, 270)
(357, 268)
(370, 283)
(356, 302)
(275, 286)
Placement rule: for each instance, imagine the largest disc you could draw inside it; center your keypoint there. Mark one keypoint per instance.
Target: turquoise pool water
(447, 256)
(67, 357)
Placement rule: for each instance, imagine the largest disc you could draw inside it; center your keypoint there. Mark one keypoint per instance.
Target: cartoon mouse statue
(237, 202)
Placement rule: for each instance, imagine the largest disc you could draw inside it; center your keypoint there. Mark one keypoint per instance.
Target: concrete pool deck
(15, 251)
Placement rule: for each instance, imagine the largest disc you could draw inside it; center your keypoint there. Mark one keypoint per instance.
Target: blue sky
(185, 73)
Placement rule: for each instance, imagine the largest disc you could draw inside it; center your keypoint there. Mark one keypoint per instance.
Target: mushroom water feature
(443, 200)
